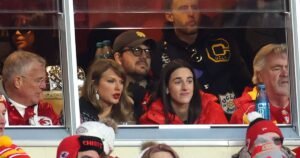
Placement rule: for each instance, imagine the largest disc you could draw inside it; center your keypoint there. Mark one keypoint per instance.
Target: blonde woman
(104, 93)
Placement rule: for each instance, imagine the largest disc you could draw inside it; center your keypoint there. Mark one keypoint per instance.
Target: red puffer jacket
(246, 104)
(211, 113)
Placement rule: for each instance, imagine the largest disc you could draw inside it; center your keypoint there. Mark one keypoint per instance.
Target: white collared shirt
(21, 108)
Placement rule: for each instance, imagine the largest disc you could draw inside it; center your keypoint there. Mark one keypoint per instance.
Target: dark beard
(136, 77)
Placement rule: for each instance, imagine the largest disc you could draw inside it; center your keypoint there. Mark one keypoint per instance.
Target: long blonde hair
(121, 112)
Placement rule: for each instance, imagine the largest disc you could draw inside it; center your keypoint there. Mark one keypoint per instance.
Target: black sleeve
(156, 62)
(138, 92)
(87, 111)
(240, 74)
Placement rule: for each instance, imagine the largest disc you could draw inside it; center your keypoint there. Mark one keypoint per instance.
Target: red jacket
(211, 113)
(246, 104)
(45, 113)
(297, 152)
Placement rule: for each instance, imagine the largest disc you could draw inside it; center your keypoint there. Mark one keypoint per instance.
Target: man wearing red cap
(263, 138)
(80, 146)
(262, 127)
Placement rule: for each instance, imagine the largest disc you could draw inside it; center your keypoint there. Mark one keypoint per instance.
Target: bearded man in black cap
(133, 51)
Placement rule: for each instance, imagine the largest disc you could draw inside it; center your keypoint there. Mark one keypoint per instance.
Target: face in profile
(136, 61)
(275, 74)
(2, 118)
(181, 87)
(184, 16)
(32, 83)
(273, 137)
(22, 38)
(110, 87)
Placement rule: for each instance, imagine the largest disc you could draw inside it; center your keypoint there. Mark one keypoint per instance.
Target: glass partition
(251, 24)
(33, 26)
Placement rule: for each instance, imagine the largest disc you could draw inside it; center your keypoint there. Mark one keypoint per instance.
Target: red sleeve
(212, 113)
(46, 109)
(152, 117)
(297, 152)
(154, 114)
(144, 119)
(244, 104)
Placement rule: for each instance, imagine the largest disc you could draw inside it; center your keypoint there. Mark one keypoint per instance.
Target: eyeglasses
(39, 81)
(136, 51)
(23, 31)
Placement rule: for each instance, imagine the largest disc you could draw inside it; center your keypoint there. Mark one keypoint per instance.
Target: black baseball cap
(132, 38)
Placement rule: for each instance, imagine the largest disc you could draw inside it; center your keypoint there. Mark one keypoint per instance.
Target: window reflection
(33, 29)
(101, 20)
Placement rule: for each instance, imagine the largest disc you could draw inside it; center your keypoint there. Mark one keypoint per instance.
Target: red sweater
(246, 104)
(211, 112)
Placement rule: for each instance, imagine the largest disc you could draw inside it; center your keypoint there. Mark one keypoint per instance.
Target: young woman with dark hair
(179, 99)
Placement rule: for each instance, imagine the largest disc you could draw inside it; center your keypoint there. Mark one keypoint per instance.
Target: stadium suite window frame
(132, 135)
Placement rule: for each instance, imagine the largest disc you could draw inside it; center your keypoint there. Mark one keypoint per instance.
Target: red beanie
(70, 146)
(258, 127)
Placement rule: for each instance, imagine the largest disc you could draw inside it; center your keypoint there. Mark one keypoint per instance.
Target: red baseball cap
(258, 127)
(70, 146)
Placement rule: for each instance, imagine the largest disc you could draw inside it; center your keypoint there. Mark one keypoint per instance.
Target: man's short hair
(17, 63)
(260, 57)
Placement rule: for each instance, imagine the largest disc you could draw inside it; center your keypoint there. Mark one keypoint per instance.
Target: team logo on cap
(140, 34)
(81, 130)
(64, 154)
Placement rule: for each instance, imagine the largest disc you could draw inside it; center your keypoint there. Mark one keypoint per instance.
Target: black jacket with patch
(216, 60)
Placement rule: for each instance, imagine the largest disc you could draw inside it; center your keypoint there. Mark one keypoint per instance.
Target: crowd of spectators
(190, 75)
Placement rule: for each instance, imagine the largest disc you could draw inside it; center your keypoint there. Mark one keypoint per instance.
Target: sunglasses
(23, 31)
(136, 51)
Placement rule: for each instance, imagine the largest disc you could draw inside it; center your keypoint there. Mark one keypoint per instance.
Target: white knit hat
(100, 130)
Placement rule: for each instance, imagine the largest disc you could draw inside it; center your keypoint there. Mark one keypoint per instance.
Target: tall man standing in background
(214, 56)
